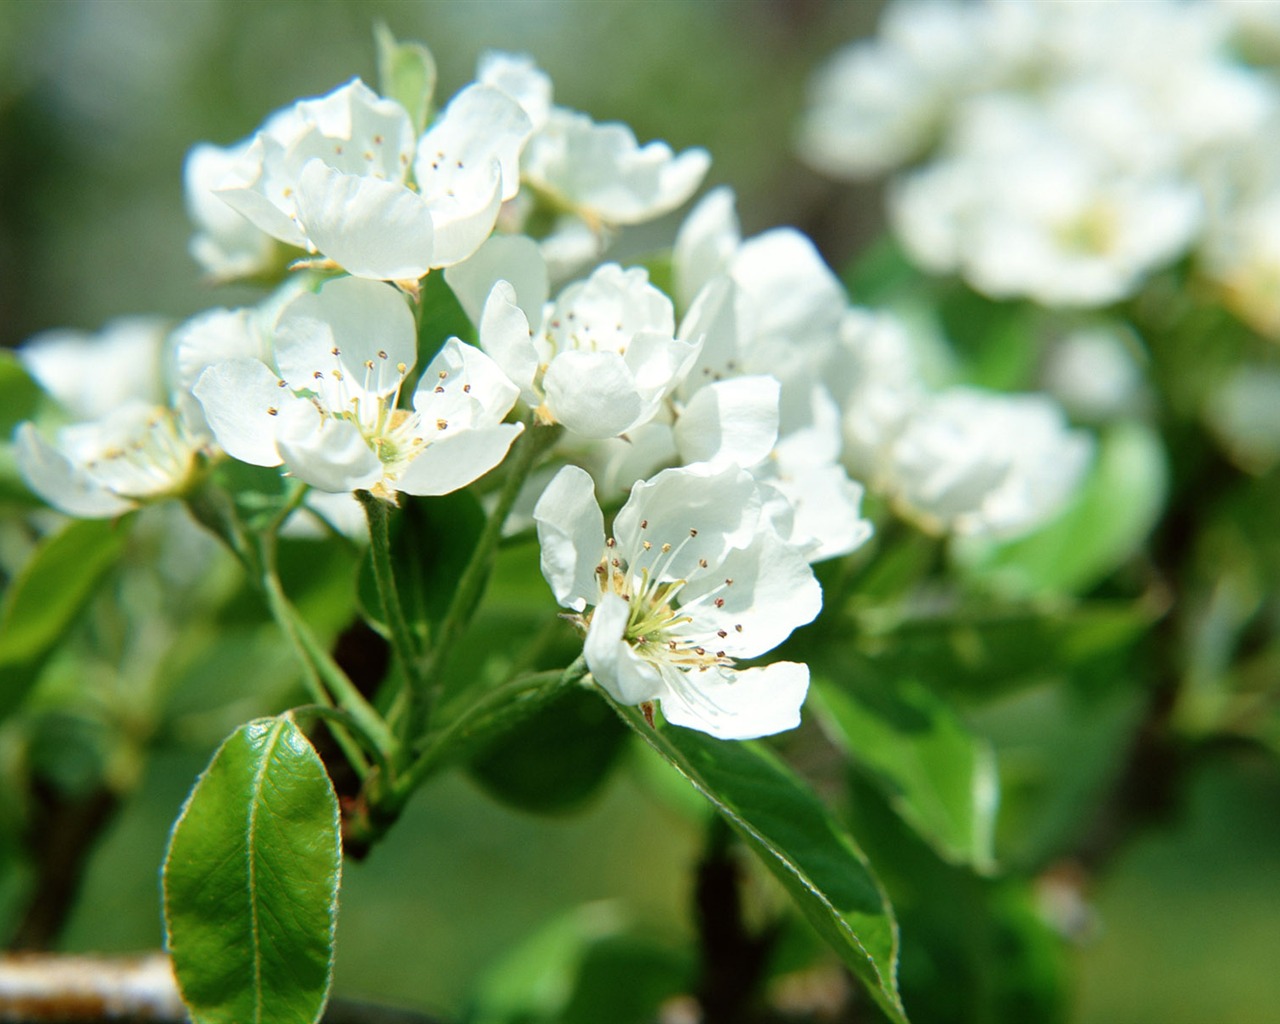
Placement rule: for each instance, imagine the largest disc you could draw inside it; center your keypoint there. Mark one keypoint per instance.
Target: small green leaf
(936, 774)
(251, 881)
(799, 841)
(1119, 504)
(406, 74)
(47, 596)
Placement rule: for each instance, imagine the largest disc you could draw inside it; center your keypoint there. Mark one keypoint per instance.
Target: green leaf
(251, 881)
(21, 394)
(555, 760)
(800, 843)
(935, 772)
(431, 543)
(589, 965)
(47, 596)
(406, 74)
(1119, 504)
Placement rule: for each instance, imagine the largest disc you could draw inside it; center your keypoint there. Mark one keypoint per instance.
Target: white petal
(481, 126)
(515, 259)
(92, 374)
(700, 514)
(730, 421)
(324, 452)
(453, 461)
(571, 533)
(592, 393)
(520, 78)
(614, 665)
(366, 321)
(237, 397)
(505, 335)
(66, 487)
(773, 592)
(214, 337)
(705, 243)
(371, 228)
(739, 705)
(463, 384)
(464, 216)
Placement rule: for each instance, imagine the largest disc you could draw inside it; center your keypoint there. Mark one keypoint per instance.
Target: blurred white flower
(1093, 373)
(977, 463)
(686, 585)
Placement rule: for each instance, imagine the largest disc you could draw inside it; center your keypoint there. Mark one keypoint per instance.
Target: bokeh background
(99, 102)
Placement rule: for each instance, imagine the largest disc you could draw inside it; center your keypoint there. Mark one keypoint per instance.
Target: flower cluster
(1062, 151)
(729, 428)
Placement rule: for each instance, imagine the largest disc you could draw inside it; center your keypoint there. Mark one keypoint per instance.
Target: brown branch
(40, 987)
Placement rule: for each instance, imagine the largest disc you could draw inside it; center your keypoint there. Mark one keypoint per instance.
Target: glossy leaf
(798, 840)
(46, 597)
(251, 881)
(1117, 508)
(938, 775)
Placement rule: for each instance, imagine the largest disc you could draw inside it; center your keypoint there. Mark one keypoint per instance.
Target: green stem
(509, 701)
(344, 721)
(470, 588)
(402, 640)
(327, 681)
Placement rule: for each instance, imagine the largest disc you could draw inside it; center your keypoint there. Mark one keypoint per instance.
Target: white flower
(980, 463)
(93, 374)
(603, 358)
(330, 412)
(602, 173)
(226, 244)
(330, 175)
(1021, 208)
(136, 453)
(687, 584)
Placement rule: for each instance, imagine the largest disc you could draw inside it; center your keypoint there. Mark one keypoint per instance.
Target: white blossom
(603, 357)
(978, 463)
(331, 175)
(686, 585)
(328, 408)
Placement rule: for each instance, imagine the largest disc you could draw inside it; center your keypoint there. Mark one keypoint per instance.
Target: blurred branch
(39, 987)
(61, 836)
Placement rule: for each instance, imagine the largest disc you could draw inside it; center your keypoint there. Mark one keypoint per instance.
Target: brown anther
(382, 354)
(728, 582)
(692, 532)
(671, 644)
(610, 542)
(666, 548)
(377, 140)
(318, 375)
(719, 602)
(615, 563)
(719, 654)
(443, 374)
(441, 424)
(335, 351)
(368, 364)
(722, 633)
(700, 651)
(702, 563)
(466, 389)
(281, 384)
(439, 390)
(738, 628)
(647, 545)
(644, 524)
(272, 411)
